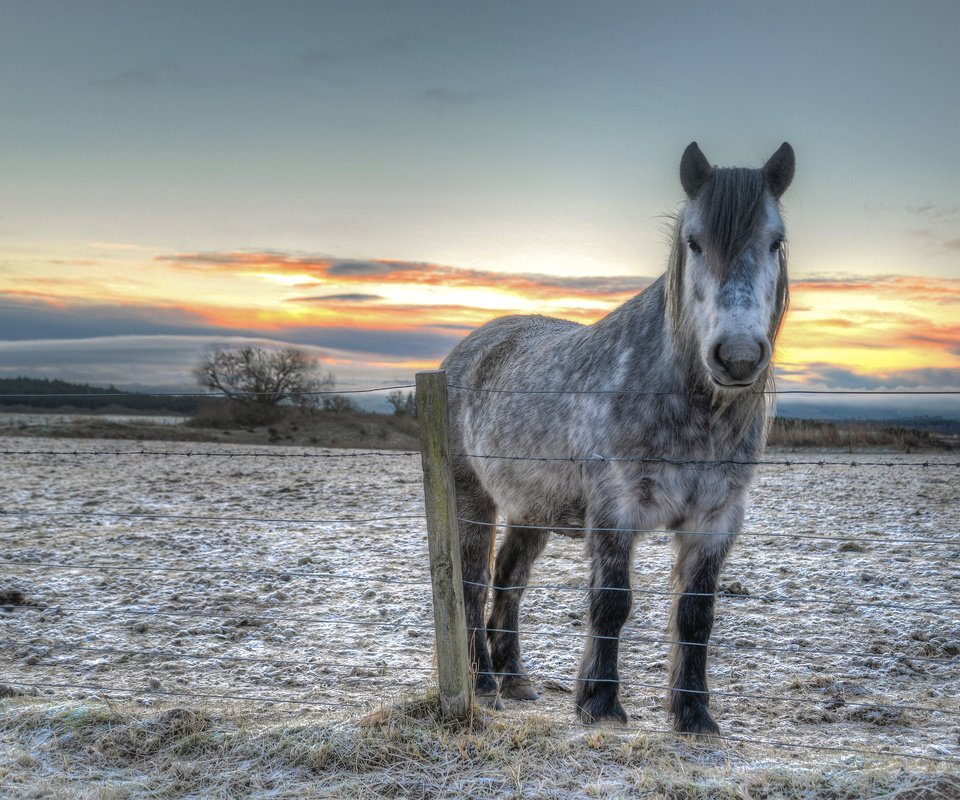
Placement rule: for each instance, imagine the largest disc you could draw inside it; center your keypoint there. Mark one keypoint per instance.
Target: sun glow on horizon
(877, 326)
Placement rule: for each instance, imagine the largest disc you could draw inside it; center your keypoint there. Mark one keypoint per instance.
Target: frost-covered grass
(103, 750)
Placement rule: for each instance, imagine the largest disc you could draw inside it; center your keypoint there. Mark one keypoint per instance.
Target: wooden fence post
(453, 660)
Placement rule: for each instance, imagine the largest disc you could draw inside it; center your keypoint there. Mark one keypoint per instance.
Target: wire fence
(229, 597)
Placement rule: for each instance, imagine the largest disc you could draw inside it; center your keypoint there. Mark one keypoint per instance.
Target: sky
(373, 180)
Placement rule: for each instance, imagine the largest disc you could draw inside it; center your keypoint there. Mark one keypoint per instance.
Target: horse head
(730, 270)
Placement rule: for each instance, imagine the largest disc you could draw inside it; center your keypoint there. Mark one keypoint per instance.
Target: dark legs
(695, 576)
(610, 602)
(475, 539)
(519, 550)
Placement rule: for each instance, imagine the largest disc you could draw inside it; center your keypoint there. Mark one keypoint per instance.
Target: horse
(648, 419)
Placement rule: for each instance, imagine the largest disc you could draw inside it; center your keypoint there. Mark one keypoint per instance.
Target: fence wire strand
(16, 512)
(566, 529)
(597, 458)
(653, 393)
(560, 529)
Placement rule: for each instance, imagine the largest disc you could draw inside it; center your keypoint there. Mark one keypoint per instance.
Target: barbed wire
(593, 458)
(278, 572)
(689, 462)
(274, 572)
(764, 598)
(213, 454)
(562, 529)
(688, 393)
(171, 654)
(207, 518)
(234, 614)
(209, 395)
(242, 613)
(171, 693)
(788, 649)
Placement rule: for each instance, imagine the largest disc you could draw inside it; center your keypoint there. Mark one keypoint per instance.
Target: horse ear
(694, 169)
(778, 171)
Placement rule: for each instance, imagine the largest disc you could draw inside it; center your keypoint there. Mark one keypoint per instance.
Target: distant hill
(43, 393)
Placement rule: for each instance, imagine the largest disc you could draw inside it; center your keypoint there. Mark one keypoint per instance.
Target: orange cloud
(387, 272)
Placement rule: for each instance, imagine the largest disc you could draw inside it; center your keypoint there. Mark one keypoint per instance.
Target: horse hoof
(517, 687)
(597, 711)
(698, 724)
(490, 700)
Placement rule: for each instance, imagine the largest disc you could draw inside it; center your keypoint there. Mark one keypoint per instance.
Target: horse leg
(598, 683)
(475, 505)
(520, 548)
(695, 575)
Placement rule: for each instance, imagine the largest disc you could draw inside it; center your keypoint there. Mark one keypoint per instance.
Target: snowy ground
(258, 595)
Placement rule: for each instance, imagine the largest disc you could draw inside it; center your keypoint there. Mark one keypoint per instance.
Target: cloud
(930, 379)
(952, 244)
(146, 77)
(418, 344)
(902, 287)
(936, 212)
(382, 271)
(339, 65)
(37, 317)
(443, 97)
(355, 269)
(336, 298)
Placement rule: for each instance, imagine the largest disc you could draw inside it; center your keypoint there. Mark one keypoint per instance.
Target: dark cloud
(335, 298)
(33, 319)
(417, 345)
(340, 65)
(935, 212)
(930, 378)
(952, 244)
(147, 77)
(355, 269)
(599, 284)
(31, 322)
(441, 97)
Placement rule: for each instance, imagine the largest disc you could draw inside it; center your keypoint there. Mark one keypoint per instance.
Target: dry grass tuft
(107, 750)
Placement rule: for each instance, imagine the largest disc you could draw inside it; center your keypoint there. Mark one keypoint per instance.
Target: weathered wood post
(453, 660)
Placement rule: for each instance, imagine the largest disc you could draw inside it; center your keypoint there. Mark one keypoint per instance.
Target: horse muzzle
(736, 362)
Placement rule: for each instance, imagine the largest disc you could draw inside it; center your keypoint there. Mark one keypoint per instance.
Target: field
(217, 624)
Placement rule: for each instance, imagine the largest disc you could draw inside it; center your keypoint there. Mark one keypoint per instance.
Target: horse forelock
(731, 207)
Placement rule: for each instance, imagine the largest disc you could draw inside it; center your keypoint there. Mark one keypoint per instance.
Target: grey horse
(557, 425)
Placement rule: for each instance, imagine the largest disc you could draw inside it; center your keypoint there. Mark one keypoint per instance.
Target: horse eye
(693, 245)
(775, 247)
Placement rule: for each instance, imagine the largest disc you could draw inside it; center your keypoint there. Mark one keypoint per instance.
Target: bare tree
(403, 405)
(259, 379)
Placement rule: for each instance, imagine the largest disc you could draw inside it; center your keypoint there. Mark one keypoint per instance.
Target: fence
(122, 593)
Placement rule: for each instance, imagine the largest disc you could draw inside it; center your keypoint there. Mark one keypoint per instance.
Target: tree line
(257, 384)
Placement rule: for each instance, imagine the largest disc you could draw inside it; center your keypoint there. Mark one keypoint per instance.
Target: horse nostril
(740, 358)
(715, 356)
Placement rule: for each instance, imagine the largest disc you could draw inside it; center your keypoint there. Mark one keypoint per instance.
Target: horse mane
(732, 203)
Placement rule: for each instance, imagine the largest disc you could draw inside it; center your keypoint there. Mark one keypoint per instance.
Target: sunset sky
(372, 180)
